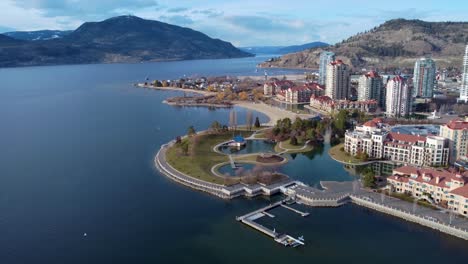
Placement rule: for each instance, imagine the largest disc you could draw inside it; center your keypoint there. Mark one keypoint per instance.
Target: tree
(157, 83)
(178, 140)
(233, 120)
(297, 125)
(184, 146)
(249, 120)
(191, 131)
(340, 120)
(310, 134)
(220, 96)
(368, 178)
(215, 126)
(257, 122)
(293, 141)
(243, 96)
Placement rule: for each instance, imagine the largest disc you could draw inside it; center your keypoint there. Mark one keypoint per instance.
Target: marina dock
(303, 214)
(284, 239)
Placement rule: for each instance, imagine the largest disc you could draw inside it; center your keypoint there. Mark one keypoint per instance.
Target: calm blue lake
(77, 146)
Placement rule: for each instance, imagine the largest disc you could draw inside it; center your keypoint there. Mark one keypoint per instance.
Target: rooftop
(457, 124)
(406, 137)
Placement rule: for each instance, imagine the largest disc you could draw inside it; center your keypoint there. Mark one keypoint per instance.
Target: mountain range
(282, 49)
(394, 44)
(38, 35)
(120, 39)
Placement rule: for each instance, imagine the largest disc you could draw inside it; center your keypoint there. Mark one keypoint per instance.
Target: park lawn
(341, 155)
(199, 164)
(248, 158)
(291, 148)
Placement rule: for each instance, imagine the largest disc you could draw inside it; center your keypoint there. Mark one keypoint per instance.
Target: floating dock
(303, 214)
(284, 239)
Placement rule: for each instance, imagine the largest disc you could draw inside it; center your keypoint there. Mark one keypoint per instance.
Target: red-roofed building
(370, 138)
(326, 104)
(457, 132)
(440, 186)
(277, 87)
(298, 94)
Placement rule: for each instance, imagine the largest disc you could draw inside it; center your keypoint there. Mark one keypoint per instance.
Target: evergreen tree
(257, 122)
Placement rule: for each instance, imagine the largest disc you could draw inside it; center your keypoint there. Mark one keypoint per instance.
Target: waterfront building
(372, 139)
(316, 88)
(337, 80)
(398, 97)
(370, 87)
(368, 138)
(298, 94)
(457, 132)
(326, 57)
(464, 85)
(445, 188)
(424, 77)
(268, 89)
(275, 87)
(326, 104)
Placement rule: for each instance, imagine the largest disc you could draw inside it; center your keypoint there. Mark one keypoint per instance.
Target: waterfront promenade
(334, 194)
(340, 193)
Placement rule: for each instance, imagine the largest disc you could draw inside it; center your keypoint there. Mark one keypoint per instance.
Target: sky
(242, 22)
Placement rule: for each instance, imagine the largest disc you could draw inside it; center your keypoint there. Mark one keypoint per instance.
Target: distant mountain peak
(120, 39)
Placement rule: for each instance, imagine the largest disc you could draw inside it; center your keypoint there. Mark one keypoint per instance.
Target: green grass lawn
(251, 158)
(293, 149)
(203, 158)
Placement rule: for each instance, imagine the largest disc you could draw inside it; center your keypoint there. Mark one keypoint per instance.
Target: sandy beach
(273, 113)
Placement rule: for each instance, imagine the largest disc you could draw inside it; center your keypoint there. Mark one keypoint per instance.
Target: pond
(252, 146)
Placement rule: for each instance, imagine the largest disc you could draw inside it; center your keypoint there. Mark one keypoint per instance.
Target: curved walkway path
(286, 150)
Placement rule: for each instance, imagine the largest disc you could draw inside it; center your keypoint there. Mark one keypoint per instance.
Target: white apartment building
(398, 97)
(448, 189)
(464, 86)
(337, 80)
(370, 138)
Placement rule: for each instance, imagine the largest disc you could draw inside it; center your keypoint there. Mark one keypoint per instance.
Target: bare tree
(233, 120)
(249, 120)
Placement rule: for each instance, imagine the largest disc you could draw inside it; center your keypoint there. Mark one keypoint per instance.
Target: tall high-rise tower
(424, 77)
(398, 98)
(370, 87)
(325, 58)
(464, 86)
(337, 83)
